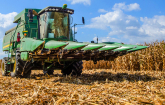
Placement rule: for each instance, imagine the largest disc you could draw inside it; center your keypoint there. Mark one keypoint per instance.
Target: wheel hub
(3, 66)
(14, 66)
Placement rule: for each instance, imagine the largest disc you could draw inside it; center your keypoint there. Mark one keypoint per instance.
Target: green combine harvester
(43, 40)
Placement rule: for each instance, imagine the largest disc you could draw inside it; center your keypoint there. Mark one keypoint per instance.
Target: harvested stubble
(152, 58)
(99, 87)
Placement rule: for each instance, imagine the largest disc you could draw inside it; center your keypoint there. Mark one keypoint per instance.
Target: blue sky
(127, 21)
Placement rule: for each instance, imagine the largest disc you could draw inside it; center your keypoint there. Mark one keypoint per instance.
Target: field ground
(93, 87)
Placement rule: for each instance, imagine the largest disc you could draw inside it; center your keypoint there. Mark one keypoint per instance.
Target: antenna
(97, 39)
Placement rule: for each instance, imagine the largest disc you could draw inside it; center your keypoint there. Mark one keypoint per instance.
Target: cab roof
(56, 9)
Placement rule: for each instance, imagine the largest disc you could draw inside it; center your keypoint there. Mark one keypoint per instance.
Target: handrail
(12, 37)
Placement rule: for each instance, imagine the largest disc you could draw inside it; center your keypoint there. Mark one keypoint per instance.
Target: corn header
(43, 39)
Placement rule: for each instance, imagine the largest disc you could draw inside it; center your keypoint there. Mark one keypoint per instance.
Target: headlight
(70, 11)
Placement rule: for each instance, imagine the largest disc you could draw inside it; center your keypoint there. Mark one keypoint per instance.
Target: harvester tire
(27, 75)
(17, 66)
(66, 71)
(49, 72)
(74, 69)
(4, 66)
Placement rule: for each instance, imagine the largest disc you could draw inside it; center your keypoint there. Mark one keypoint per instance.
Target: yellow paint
(3, 67)
(14, 66)
(25, 31)
(7, 46)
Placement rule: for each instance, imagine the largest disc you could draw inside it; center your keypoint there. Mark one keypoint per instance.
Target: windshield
(54, 25)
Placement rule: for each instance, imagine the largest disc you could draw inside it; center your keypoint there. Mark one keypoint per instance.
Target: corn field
(152, 58)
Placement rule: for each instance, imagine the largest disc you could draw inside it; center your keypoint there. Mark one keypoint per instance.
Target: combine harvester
(43, 40)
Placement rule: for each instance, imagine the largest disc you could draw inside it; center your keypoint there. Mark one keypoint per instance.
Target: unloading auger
(43, 39)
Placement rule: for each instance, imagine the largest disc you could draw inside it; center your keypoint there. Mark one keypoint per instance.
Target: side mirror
(30, 15)
(83, 20)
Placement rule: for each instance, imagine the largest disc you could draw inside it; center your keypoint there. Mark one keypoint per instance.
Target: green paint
(108, 47)
(138, 48)
(125, 47)
(75, 45)
(24, 56)
(29, 44)
(23, 15)
(92, 46)
(54, 44)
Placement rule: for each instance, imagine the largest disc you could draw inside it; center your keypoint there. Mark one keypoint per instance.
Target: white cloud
(7, 19)
(102, 10)
(85, 2)
(131, 27)
(130, 7)
(106, 39)
(6, 22)
(153, 27)
(2, 54)
(127, 28)
(115, 20)
(95, 38)
(119, 23)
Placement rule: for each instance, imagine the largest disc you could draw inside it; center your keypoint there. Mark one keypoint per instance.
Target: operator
(58, 28)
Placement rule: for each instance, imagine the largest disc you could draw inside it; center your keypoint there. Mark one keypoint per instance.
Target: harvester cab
(54, 22)
(43, 40)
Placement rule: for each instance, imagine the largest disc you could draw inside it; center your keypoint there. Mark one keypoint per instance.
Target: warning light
(25, 34)
(64, 6)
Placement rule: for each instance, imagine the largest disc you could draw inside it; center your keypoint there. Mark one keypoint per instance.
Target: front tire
(49, 72)
(4, 66)
(17, 67)
(74, 69)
